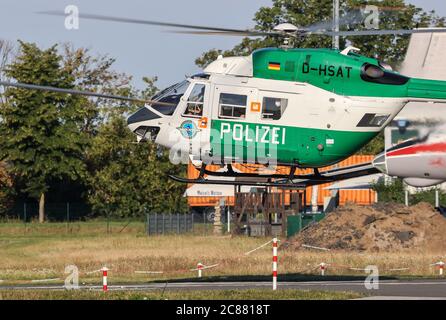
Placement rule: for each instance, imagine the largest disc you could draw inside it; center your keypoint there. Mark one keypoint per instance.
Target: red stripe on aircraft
(422, 148)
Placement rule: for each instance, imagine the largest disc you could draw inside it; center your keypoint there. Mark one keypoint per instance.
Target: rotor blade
(351, 17)
(379, 32)
(219, 33)
(157, 23)
(79, 92)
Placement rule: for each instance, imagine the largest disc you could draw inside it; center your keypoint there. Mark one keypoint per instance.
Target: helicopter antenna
(335, 24)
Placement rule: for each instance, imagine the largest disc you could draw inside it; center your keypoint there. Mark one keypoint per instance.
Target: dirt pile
(380, 227)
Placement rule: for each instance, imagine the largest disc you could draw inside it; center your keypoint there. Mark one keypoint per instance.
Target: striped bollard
(275, 264)
(200, 269)
(323, 267)
(104, 279)
(440, 267)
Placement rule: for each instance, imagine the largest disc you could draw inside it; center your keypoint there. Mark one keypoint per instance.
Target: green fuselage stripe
(256, 142)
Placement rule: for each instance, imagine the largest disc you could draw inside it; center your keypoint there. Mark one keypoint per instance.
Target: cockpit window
(376, 74)
(171, 95)
(195, 102)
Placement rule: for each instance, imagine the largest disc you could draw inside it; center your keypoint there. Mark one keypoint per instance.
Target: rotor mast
(335, 23)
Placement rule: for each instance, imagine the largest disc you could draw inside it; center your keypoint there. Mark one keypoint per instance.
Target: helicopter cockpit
(171, 95)
(188, 95)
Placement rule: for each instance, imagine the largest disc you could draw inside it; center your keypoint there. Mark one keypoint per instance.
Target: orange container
(361, 197)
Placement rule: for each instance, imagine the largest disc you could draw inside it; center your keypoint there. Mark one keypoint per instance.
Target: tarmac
(387, 289)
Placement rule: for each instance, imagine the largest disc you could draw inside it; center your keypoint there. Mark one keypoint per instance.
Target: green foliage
(375, 146)
(40, 130)
(129, 177)
(6, 190)
(303, 13)
(394, 191)
(48, 138)
(390, 192)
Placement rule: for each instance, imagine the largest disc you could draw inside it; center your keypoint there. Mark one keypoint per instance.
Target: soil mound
(379, 227)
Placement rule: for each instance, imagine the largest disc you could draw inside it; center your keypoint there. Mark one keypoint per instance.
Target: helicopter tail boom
(423, 90)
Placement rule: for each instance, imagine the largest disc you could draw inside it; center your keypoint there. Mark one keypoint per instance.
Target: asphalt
(388, 289)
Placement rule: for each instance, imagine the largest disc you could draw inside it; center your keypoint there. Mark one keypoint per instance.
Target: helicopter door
(234, 115)
(194, 123)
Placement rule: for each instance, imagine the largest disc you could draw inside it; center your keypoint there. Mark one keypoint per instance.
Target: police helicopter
(301, 108)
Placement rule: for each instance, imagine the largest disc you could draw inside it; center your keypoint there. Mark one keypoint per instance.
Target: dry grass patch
(44, 256)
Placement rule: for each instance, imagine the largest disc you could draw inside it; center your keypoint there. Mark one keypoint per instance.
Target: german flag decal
(274, 66)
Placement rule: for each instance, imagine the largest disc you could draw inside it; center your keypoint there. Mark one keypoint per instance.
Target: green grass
(254, 294)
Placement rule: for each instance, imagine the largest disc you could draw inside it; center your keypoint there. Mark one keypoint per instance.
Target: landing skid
(280, 180)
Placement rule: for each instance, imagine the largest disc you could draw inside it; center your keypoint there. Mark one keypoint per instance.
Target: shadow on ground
(285, 277)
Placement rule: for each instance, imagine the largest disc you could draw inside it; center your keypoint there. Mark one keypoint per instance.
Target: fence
(54, 211)
(169, 223)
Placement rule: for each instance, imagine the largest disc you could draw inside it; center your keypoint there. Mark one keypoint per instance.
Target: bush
(394, 192)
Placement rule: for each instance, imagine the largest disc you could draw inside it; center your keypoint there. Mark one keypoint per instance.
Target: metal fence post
(156, 223)
(164, 221)
(108, 221)
(24, 214)
(205, 223)
(229, 220)
(68, 217)
(147, 223)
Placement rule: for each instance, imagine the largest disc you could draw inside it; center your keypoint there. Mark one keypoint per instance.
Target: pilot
(194, 110)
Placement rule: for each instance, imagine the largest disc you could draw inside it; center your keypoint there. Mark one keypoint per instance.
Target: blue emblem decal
(188, 129)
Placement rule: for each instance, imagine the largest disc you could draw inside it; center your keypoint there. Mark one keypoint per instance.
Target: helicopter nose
(141, 115)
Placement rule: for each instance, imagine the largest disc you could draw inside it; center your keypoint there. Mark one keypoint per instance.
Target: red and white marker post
(440, 266)
(104, 279)
(323, 266)
(275, 264)
(200, 269)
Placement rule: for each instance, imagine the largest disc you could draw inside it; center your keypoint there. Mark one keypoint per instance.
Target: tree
(6, 189)
(394, 191)
(41, 136)
(129, 177)
(95, 73)
(390, 49)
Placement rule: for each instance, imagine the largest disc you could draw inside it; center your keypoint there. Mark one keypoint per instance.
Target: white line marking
(45, 280)
(314, 247)
(263, 245)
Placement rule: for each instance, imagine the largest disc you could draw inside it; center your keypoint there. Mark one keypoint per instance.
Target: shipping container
(210, 195)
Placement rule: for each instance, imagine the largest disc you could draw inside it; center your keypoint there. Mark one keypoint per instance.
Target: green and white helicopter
(302, 108)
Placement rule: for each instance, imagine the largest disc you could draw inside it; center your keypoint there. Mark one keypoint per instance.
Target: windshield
(171, 95)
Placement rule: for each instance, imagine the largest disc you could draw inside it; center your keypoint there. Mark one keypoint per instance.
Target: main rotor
(285, 30)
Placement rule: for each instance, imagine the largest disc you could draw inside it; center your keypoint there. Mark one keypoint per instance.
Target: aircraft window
(195, 102)
(372, 73)
(373, 120)
(172, 95)
(232, 105)
(273, 108)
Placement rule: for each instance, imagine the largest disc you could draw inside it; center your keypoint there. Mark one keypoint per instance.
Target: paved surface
(390, 289)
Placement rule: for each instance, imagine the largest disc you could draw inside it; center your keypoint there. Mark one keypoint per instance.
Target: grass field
(42, 252)
(178, 295)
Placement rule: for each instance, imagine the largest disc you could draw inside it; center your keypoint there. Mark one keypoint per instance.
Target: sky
(140, 50)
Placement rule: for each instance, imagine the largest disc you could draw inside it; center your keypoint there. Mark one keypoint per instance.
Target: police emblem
(188, 129)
